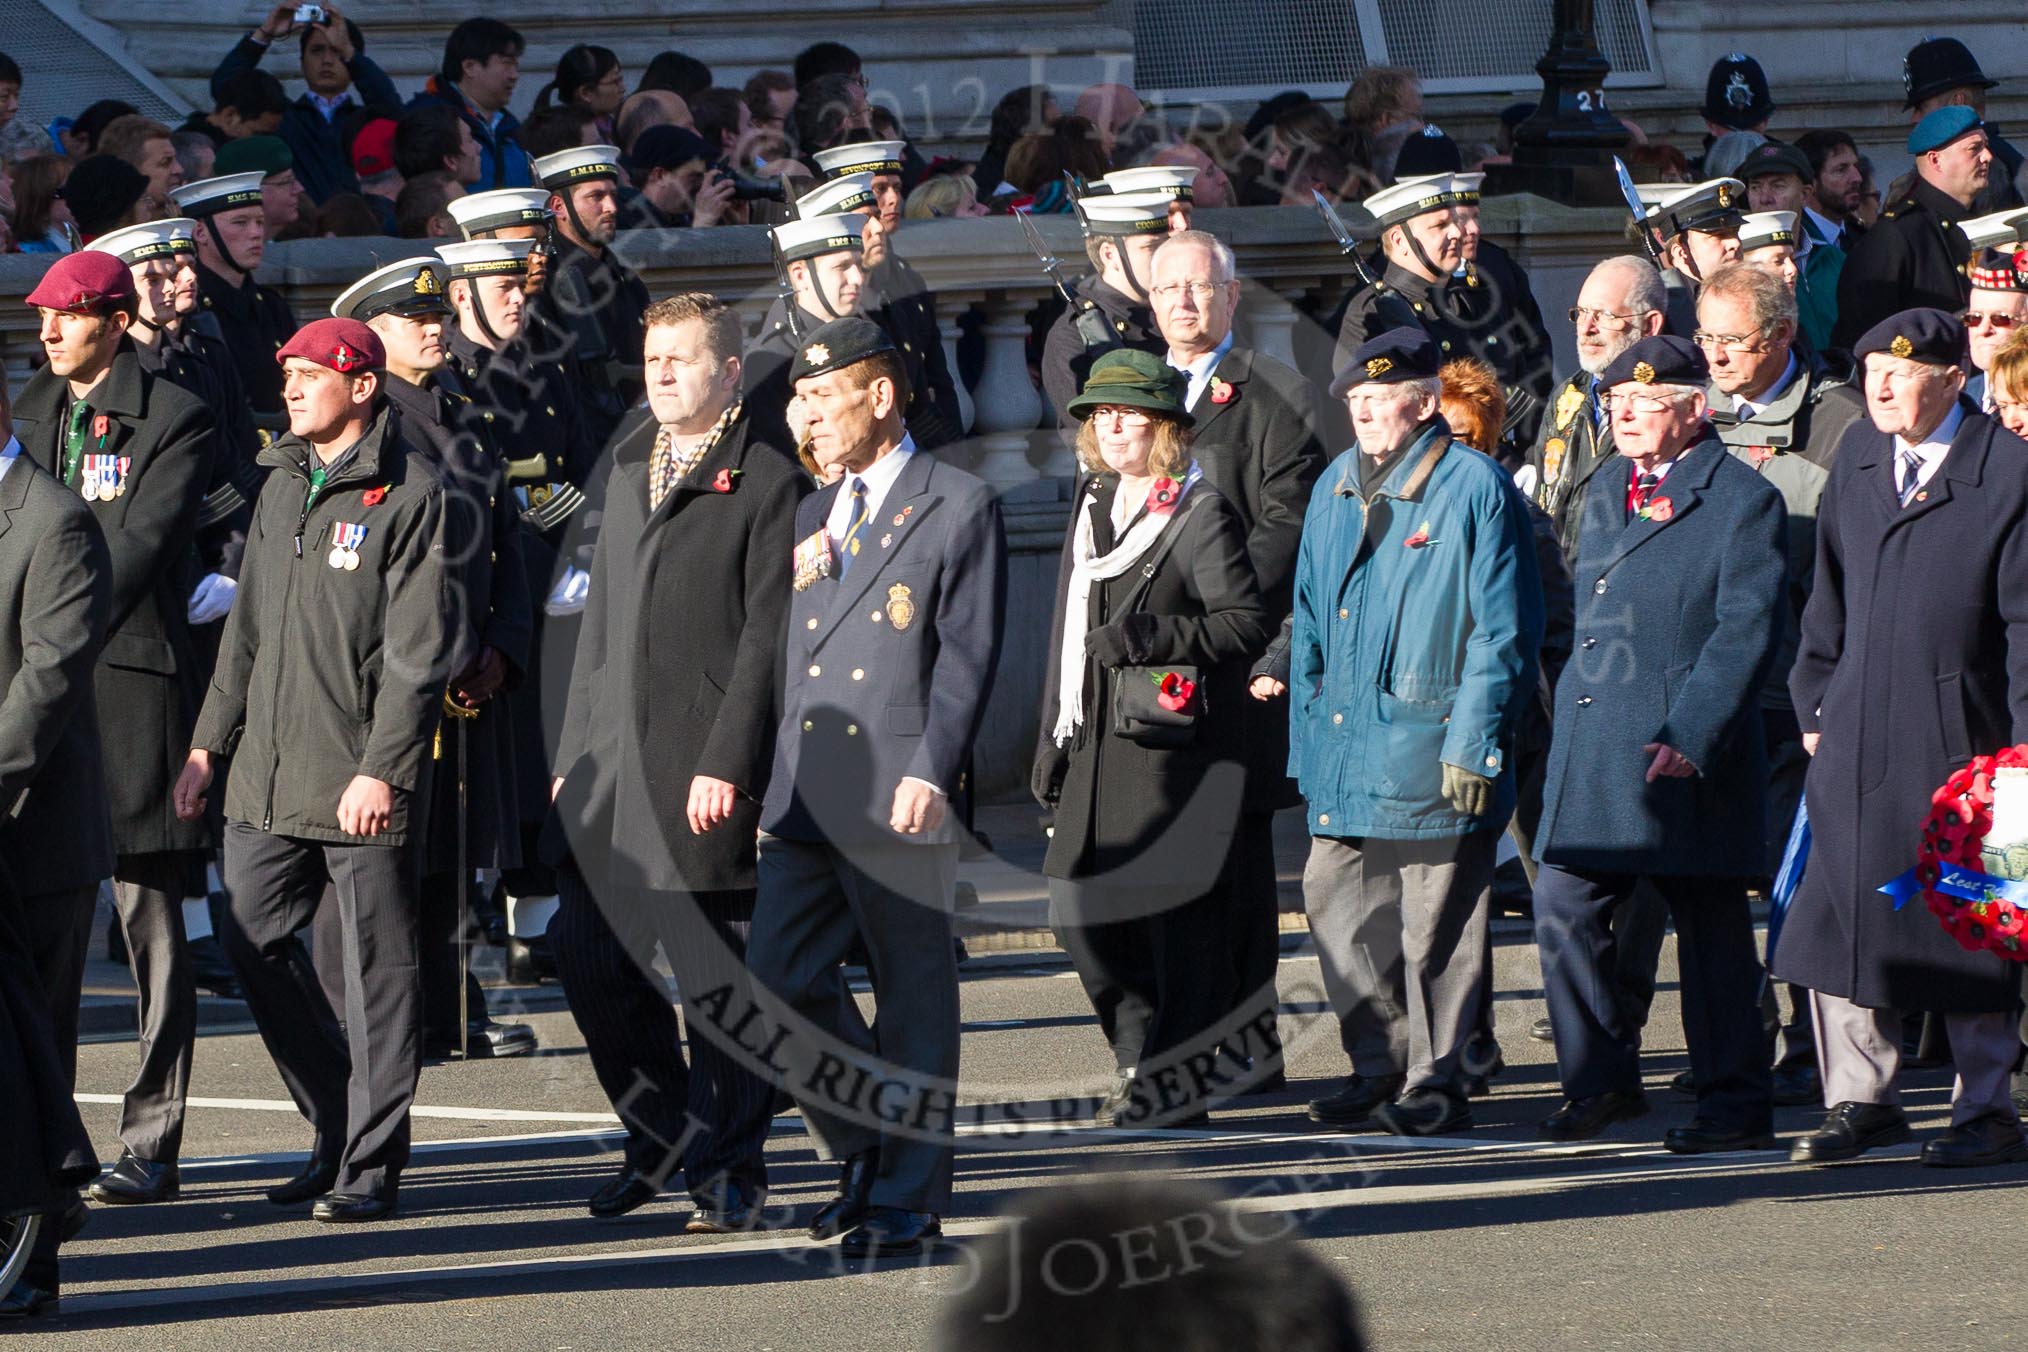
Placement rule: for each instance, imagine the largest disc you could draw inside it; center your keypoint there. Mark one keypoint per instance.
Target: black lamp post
(1564, 150)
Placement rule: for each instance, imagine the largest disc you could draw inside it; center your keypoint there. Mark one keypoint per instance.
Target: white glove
(568, 596)
(212, 598)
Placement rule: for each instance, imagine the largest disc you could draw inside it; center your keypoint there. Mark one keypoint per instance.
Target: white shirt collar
(879, 477)
(1751, 408)
(8, 454)
(1827, 229)
(1200, 370)
(1932, 449)
(330, 108)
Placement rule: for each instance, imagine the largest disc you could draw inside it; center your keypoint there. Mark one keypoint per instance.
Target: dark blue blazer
(1678, 617)
(889, 669)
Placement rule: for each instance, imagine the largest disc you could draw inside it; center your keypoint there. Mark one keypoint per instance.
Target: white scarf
(1086, 567)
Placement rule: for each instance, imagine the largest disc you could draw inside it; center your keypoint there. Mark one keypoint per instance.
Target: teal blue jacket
(1417, 621)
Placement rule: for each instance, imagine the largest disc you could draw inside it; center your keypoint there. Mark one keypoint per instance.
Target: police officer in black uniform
(1914, 256)
(896, 296)
(405, 303)
(1121, 233)
(593, 302)
(253, 320)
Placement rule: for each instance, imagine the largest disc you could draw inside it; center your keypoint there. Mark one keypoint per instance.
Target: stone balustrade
(987, 284)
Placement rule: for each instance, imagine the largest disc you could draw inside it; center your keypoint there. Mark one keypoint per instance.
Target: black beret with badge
(1932, 337)
(1389, 359)
(835, 345)
(1661, 360)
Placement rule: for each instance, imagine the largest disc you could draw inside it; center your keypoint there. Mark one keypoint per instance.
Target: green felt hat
(1129, 378)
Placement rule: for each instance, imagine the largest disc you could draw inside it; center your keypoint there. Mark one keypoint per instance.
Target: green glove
(1470, 794)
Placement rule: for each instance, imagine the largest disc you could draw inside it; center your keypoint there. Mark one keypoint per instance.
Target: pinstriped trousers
(708, 1119)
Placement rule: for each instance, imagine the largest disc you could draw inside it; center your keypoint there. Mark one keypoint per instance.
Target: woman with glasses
(589, 79)
(1156, 613)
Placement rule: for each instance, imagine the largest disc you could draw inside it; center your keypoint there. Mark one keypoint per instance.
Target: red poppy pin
(1761, 454)
(1419, 539)
(373, 497)
(101, 425)
(1223, 391)
(1659, 509)
(1174, 692)
(726, 479)
(1162, 498)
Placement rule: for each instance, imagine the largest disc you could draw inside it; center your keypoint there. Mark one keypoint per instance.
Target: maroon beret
(344, 345)
(83, 282)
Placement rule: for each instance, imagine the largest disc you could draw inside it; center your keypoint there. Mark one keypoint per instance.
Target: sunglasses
(1971, 319)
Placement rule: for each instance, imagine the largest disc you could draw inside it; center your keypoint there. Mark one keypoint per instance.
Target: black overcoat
(1116, 801)
(1914, 659)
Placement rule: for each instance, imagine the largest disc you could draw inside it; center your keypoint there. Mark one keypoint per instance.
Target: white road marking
(454, 1114)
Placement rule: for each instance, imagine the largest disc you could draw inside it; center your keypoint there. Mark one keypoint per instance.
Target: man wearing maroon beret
(327, 695)
(138, 449)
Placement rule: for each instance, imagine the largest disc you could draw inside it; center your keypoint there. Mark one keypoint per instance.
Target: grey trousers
(1859, 1055)
(1400, 929)
(354, 1086)
(890, 1085)
(148, 895)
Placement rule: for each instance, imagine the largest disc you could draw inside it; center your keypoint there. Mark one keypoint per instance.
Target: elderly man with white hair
(1657, 771)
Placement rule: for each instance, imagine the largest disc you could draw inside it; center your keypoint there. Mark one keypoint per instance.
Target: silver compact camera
(309, 14)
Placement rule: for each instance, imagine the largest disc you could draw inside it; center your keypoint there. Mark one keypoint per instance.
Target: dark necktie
(1644, 489)
(848, 544)
(74, 441)
(1911, 475)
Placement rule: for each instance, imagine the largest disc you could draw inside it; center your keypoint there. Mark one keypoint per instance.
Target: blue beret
(1925, 335)
(1392, 357)
(1941, 127)
(1662, 360)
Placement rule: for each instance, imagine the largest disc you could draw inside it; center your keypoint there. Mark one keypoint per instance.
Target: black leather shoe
(890, 1232)
(316, 1179)
(1797, 1086)
(1116, 1101)
(1353, 1104)
(1541, 1031)
(1684, 1086)
(1701, 1138)
(1850, 1130)
(210, 972)
(1581, 1119)
(24, 1301)
(346, 1208)
(1992, 1139)
(734, 1207)
(848, 1208)
(1423, 1112)
(134, 1179)
(618, 1196)
(486, 1040)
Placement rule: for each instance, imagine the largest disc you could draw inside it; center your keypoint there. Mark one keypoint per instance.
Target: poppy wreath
(1953, 834)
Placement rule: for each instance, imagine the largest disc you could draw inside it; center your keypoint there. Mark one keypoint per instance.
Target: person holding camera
(682, 184)
(1140, 758)
(334, 64)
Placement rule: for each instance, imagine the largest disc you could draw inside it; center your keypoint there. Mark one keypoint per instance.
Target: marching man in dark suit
(55, 595)
(662, 762)
(138, 449)
(1914, 658)
(327, 695)
(1256, 441)
(894, 635)
(1657, 771)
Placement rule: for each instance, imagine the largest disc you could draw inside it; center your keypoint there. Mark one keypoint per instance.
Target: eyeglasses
(1197, 291)
(1611, 403)
(1581, 315)
(1125, 417)
(1999, 319)
(1731, 342)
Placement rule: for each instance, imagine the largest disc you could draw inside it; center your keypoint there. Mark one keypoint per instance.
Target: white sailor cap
(154, 239)
(811, 236)
(576, 165)
(835, 197)
(482, 211)
(227, 192)
(1412, 197)
(486, 257)
(1468, 187)
(2000, 230)
(1711, 207)
(1759, 229)
(1169, 180)
(1136, 213)
(413, 286)
(860, 157)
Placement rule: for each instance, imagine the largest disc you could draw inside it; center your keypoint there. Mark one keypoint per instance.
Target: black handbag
(1140, 713)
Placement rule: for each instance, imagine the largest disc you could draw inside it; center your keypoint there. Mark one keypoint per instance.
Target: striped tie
(848, 545)
(1911, 475)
